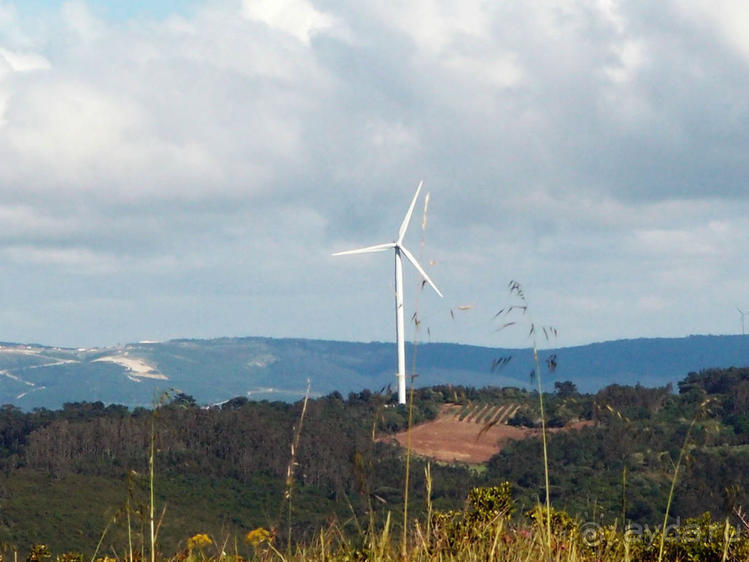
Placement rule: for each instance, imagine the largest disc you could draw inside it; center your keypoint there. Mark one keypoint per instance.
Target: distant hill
(216, 370)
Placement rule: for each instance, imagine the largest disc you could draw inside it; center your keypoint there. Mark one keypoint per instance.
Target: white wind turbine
(400, 250)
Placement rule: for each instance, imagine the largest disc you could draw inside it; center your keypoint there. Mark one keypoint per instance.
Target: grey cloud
(190, 175)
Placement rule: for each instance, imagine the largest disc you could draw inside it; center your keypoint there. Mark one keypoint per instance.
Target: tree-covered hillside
(216, 370)
(69, 474)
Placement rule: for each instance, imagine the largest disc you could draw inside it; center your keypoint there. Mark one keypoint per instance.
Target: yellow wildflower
(258, 536)
(199, 541)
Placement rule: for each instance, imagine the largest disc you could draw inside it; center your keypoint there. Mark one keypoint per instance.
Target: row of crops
(484, 413)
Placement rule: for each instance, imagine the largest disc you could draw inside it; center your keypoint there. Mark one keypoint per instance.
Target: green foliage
(697, 539)
(38, 553)
(562, 523)
(70, 557)
(488, 503)
(565, 389)
(64, 472)
(484, 508)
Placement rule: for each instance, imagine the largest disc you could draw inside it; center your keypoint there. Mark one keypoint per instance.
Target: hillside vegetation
(217, 370)
(68, 475)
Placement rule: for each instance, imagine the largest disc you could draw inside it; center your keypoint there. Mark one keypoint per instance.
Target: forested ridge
(66, 473)
(216, 370)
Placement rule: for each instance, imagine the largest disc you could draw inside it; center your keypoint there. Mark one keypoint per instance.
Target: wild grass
(482, 531)
(700, 411)
(290, 469)
(507, 315)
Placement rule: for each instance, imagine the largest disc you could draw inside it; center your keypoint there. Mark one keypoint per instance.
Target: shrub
(484, 508)
(697, 538)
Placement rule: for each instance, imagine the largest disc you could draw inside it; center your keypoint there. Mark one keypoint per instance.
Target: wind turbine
(742, 320)
(400, 250)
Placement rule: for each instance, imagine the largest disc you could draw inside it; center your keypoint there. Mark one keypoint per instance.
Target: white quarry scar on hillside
(136, 368)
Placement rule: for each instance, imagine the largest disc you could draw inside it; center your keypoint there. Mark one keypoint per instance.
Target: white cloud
(629, 58)
(593, 150)
(650, 304)
(729, 19)
(611, 10)
(298, 18)
(24, 62)
(437, 26)
(16, 61)
(67, 127)
(78, 17)
(500, 71)
(158, 111)
(81, 260)
(28, 221)
(670, 244)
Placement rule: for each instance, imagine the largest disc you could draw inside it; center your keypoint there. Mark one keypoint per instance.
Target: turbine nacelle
(398, 244)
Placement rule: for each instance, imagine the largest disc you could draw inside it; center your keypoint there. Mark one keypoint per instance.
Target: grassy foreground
(483, 530)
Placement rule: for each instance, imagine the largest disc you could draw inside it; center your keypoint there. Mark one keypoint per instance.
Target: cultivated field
(463, 434)
(456, 433)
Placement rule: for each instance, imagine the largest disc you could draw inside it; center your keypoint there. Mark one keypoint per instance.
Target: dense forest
(69, 474)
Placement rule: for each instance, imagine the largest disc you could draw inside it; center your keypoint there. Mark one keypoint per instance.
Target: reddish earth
(449, 439)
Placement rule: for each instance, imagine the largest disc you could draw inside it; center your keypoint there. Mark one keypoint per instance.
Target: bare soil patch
(448, 439)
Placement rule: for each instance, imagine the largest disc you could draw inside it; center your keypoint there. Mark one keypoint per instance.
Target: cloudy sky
(184, 169)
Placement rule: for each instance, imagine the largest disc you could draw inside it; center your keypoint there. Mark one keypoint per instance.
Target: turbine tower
(400, 250)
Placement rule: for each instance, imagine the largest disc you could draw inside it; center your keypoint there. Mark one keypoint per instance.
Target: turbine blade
(367, 250)
(423, 273)
(404, 224)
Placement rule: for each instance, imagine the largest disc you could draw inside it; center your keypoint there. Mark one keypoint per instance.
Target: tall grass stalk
(151, 481)
(416, 322)
(297, 433)
(516, 290)
(624, 496)
(682, 452)
(624, 514)
(103, 534)
(428, 484)
(322, 544)
(154, 528)
(543, 438)
(384, 539)
(728, 532)
(129, 533)
(363, 465)
(497, 534)
(404, 540)
(130, 476)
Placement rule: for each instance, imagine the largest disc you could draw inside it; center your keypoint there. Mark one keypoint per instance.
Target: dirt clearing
(449, 439)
